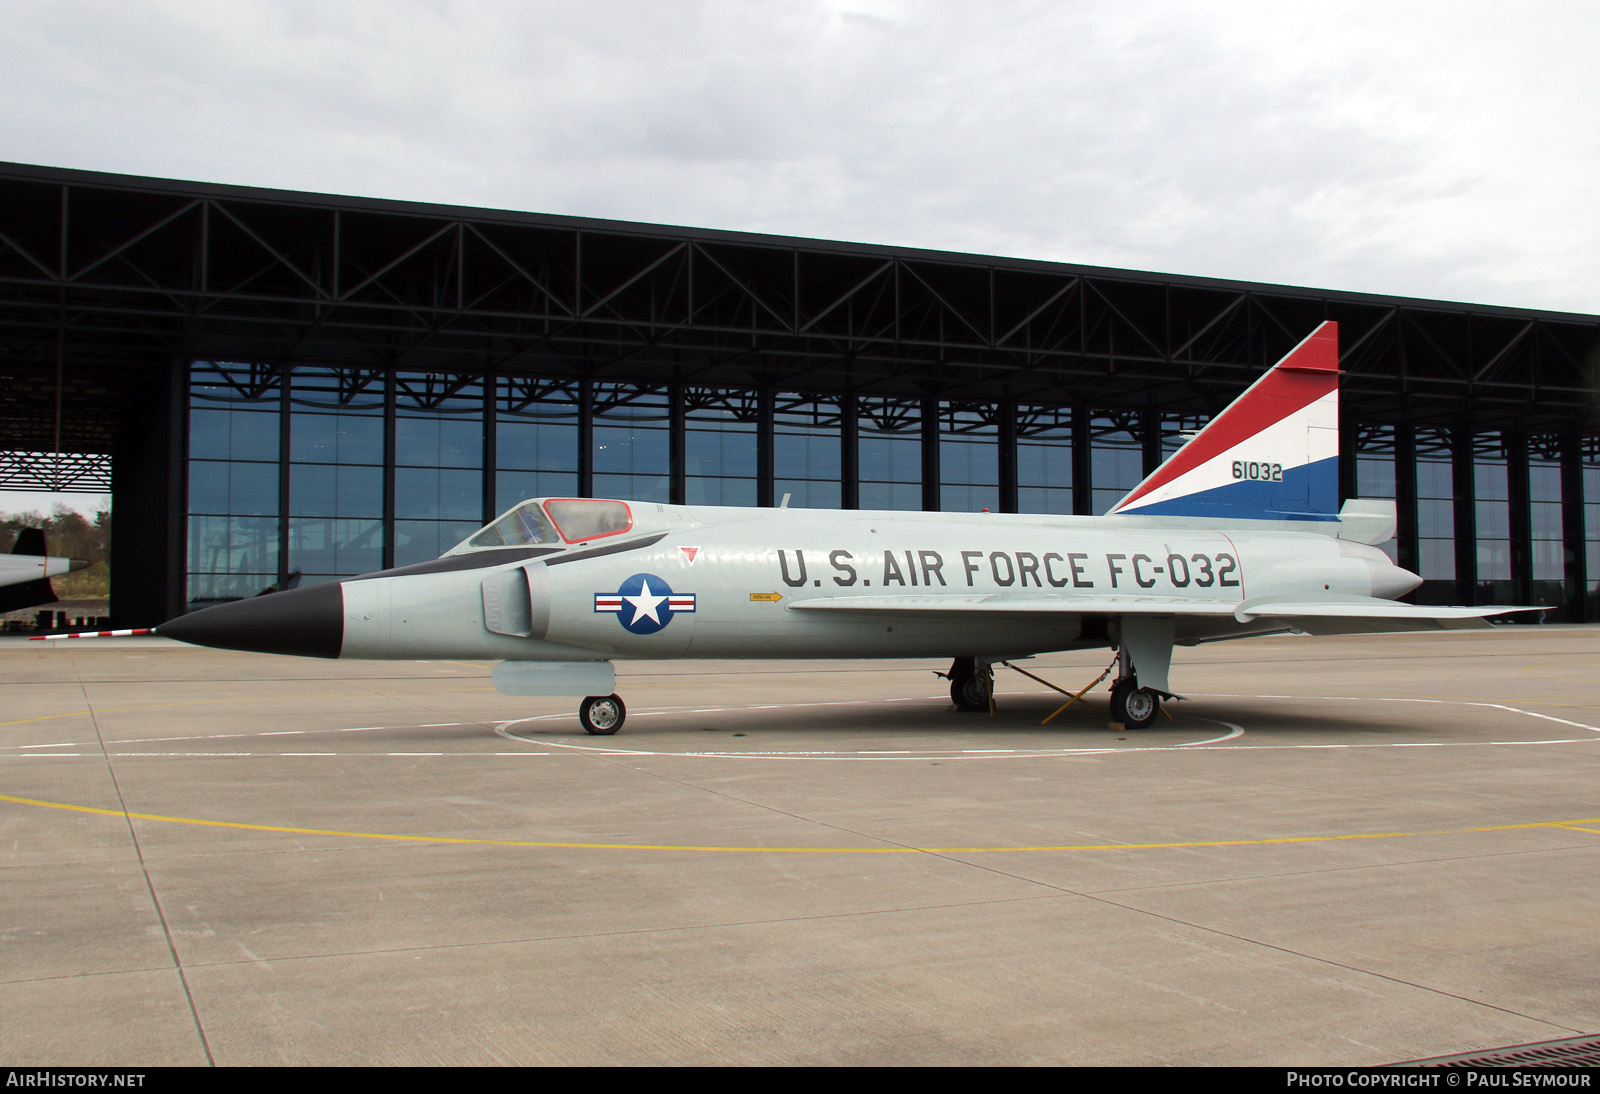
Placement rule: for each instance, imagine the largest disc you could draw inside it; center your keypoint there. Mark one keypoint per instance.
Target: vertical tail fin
(30, 541)
(1273, 454)
(25, 582)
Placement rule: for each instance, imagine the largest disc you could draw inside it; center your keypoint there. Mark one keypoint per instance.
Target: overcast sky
(1436, 149)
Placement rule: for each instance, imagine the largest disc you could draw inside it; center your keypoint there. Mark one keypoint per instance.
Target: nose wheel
(602, 715)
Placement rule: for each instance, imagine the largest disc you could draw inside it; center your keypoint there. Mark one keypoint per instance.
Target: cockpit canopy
(556, 521)
(588, 518)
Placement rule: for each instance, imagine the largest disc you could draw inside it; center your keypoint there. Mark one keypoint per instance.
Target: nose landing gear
(602, 715)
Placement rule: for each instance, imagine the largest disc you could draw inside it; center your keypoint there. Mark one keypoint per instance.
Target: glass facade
(1491, 514)
(1116, 461)
(1590, 471)
(313, 473)
(889, 447)
(336, 460)
(535, 441)
(438, 475)
(720, 447)
(808, 452)
(632, 442)
(969, 458)
(1044, 459)
(1177, 430)
(235, 526)
(1375, 471)
(1436, 534)
(1545, 526)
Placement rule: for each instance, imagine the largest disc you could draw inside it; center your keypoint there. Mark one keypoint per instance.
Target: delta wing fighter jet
(25, 573)
(1237, 534)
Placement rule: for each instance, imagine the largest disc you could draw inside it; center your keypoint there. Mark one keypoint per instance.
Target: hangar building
(273, 383)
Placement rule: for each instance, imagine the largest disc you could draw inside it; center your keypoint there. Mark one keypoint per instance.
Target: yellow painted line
(1574, 825)
(1534, 669)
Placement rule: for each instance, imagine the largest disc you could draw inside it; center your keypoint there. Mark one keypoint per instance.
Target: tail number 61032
(1257, 472)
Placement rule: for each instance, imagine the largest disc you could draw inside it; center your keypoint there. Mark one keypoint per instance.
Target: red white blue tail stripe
(1273, 454)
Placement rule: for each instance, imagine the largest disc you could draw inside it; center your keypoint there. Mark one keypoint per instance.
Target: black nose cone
(306, 622)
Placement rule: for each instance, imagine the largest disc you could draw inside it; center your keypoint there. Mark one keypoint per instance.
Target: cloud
(1424, 149)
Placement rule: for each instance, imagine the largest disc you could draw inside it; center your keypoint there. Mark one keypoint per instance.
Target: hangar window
(632, 447)
(1591, 522)
(1545, 525)
(536, 439)
(438, 476)
(890, 450)
(1116, 459)
(234, 519)
(1178, 430)
(1492, 519)
(1436, 529)
(1044, 459)
(1375, 470)
(969, 457)
(807, 456)
(336, 439)
(719, 447)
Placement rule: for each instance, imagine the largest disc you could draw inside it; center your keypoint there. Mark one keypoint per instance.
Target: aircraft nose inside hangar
(113, 287)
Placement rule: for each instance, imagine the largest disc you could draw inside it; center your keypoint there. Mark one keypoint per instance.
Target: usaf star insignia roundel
(644, 603)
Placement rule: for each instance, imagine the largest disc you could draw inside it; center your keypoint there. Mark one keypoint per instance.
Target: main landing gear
(1132, 705)
(602, 715)
(971, 683)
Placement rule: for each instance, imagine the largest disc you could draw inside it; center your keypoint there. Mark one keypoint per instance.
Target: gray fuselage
(790, 583)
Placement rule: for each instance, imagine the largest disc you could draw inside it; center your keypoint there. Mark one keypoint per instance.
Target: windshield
(523, 526)
(587, 518)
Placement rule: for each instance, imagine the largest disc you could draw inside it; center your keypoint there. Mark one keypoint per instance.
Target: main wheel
(970, 691)
(602, 715)
(1132, 705)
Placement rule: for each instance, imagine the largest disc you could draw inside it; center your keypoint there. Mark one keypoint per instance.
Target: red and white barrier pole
(94, 634)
